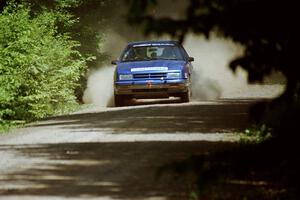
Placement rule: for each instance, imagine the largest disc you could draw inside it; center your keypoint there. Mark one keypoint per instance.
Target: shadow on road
(117, 170)
(129, 170)
(223, 117)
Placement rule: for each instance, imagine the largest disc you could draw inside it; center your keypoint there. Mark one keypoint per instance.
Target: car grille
(150, 76)
(150, 90)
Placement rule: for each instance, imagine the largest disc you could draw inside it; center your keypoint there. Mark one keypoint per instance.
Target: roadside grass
(6, 125)
(256, 134)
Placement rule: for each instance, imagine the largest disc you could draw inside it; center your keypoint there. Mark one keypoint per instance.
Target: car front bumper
(151, 89)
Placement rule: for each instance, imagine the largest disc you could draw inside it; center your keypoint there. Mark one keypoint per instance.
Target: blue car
(152, 69)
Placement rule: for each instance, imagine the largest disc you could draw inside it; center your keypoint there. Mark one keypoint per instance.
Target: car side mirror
(114, 62)
(191, 59)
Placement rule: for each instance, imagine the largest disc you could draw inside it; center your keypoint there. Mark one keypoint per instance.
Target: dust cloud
(99, 89)
(211, 79)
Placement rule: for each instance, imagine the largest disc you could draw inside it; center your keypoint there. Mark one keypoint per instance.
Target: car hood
(153, 65)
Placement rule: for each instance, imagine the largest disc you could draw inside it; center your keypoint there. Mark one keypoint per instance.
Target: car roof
(153, 42)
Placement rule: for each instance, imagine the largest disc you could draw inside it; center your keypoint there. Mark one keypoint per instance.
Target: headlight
(174, 75)
(125, 76)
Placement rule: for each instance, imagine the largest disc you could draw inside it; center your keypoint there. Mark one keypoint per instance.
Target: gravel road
(115, 153)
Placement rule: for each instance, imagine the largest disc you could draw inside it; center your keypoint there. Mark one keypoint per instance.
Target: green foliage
(193, 196)
(39, 67)
(68, 3)
(256, 134)
(91, 17)
(6, 125)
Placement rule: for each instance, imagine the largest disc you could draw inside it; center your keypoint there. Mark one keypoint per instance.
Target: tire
(120, 100)
(185, 97)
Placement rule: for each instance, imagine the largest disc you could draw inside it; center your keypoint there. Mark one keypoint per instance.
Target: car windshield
(152, 52)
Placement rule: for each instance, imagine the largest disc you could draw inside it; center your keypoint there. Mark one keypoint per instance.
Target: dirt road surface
(115, 153)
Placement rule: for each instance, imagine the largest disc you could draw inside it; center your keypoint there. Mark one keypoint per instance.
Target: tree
(39, 67)
(91, 20)
(267, 29)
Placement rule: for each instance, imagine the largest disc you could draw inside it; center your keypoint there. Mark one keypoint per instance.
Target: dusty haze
(212, 79)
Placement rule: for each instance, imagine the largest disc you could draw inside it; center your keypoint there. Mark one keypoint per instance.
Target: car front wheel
(121, 100)
(185, 97)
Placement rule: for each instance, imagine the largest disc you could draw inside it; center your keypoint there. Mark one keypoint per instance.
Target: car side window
(129, 55)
